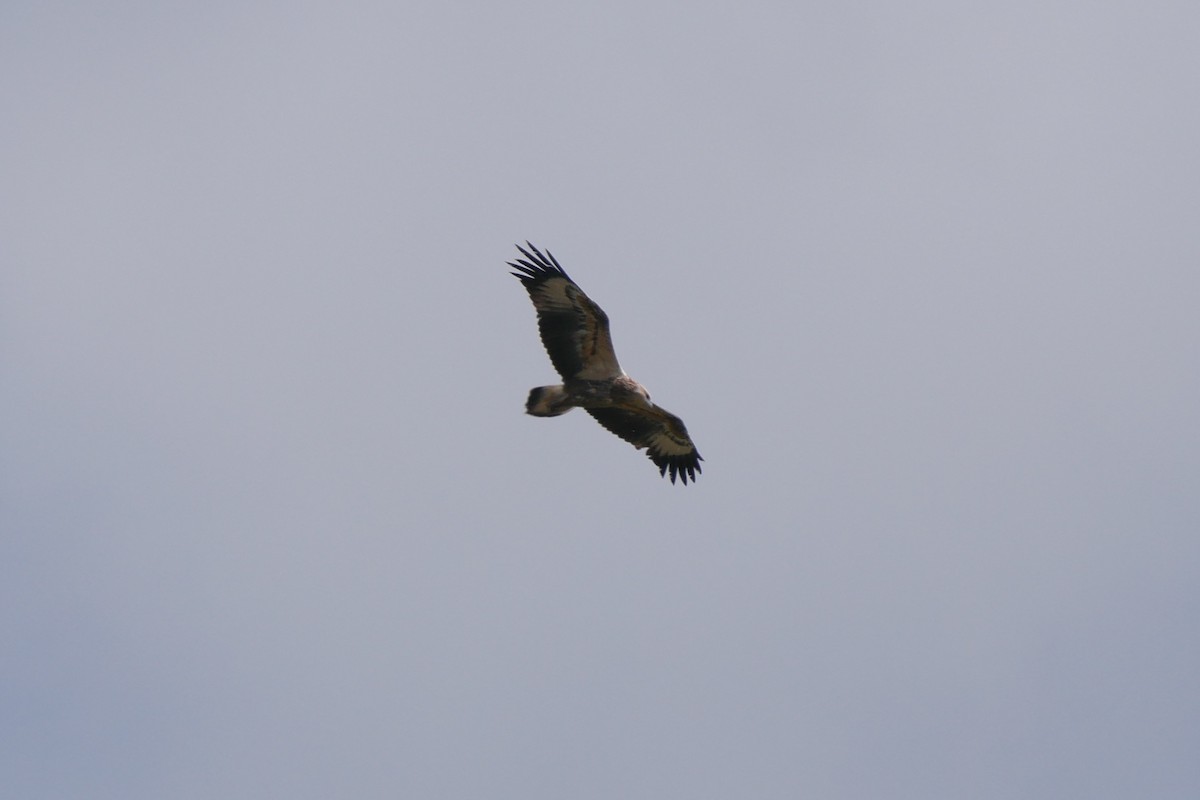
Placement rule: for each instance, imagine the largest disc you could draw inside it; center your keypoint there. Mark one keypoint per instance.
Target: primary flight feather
(575, 332)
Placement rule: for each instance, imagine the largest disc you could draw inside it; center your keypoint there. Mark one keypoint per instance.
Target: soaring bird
(575, 333)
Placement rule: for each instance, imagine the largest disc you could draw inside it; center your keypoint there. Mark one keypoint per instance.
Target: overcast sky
(922, 278)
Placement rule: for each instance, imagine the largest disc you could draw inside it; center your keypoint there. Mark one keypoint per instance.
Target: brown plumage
(575, 333)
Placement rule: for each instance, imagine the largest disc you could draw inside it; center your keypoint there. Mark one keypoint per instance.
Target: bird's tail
(548, 401)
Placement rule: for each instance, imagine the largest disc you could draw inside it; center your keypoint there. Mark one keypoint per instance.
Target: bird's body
(576, 336)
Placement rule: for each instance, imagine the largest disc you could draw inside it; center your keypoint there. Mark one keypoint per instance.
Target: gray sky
(922, 279)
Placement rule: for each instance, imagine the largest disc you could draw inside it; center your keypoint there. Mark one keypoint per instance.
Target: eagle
(575, 333)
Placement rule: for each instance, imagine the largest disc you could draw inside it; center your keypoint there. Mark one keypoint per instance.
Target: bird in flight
(575, 333)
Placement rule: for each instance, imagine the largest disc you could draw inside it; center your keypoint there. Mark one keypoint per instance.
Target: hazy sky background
(922, 278)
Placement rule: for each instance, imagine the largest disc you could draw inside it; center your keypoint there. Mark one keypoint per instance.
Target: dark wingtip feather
(682, 468)
(549, 257)
(536, 266)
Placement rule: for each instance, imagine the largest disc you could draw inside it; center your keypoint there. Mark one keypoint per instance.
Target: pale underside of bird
(575, 333)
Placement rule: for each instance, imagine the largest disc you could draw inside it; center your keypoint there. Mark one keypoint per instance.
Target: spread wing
(659, 431)
(574, 329)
